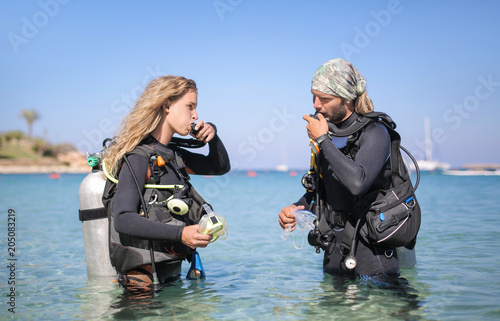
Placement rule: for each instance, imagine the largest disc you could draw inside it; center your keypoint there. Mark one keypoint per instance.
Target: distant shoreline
(44, 169)
(41, 166)
(70, 162)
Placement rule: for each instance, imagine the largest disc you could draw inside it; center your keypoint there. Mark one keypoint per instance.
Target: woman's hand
(286, 216)
(205, 131)
(193, 239)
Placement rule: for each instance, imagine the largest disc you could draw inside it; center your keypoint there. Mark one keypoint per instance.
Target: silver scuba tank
(95, 221)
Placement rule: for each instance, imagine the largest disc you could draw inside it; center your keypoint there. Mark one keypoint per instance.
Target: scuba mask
(213, 224)
(305, 220)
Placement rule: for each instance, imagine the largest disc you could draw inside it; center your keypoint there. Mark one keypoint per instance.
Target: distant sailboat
(475, 170)
(427, 164)
(283, 167)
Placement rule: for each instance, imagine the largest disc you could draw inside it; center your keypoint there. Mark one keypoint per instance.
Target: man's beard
(339, 114)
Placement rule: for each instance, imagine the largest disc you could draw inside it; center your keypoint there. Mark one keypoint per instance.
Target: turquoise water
(254, 275)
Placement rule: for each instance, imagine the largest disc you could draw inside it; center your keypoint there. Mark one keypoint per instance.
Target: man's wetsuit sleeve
(127, 202)
(215, 163)
(358, 175)
(305, 200)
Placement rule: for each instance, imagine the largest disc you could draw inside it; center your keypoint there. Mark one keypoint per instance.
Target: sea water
(253, 274)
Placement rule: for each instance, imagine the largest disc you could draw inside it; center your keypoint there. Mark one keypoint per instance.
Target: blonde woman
(146, 152)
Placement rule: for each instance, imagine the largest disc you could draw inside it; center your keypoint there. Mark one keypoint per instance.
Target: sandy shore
(41, 166)
(43, 169)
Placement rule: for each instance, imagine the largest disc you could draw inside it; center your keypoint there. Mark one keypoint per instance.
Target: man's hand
(286, 216)
(316, 127)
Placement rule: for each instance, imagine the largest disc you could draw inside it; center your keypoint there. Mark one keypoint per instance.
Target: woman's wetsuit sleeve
(126, 205)
(358, 175)
(215, 163)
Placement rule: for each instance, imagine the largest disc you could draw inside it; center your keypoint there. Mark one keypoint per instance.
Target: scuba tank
(94, 220)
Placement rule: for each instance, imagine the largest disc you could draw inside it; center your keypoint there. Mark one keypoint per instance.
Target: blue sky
(82, 64)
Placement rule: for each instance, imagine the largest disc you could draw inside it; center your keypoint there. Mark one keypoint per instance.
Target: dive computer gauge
(350, 262)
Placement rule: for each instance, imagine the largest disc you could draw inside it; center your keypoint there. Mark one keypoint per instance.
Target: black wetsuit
(127, 200)
(343, 181)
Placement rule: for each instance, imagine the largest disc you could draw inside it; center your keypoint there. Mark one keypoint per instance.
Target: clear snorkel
(304, 221)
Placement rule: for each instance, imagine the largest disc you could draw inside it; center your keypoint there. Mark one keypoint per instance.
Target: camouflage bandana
(338, 77)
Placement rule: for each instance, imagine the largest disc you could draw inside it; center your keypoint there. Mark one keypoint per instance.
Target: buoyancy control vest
(397, 179)
(127, 252)
(388, 214)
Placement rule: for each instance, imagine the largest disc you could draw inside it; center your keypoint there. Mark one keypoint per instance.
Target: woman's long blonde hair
(145, 116)
(363, 104)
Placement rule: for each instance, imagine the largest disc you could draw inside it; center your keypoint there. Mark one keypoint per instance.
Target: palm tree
(30, 116)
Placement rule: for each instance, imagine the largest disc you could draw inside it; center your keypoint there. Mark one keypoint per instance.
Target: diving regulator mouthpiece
(193, 130)
(213, 224)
